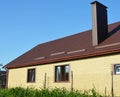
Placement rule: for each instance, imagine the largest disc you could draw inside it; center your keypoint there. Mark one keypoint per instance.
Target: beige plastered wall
(87, 74)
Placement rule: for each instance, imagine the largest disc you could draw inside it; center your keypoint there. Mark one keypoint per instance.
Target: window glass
(67, 72)
(62, 73)
(31, 75)
(58, 75)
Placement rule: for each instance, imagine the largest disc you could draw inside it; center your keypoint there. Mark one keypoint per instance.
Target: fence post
(105, 91)
(45, 80)
(112, 87)
(71, 80)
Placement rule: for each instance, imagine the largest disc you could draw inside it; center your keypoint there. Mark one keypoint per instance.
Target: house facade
(83, 61)
(87, 74)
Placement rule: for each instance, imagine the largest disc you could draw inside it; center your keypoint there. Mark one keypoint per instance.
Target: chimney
(99, 23)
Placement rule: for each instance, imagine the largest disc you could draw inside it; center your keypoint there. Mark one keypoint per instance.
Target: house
(2, 79)
(86, 60)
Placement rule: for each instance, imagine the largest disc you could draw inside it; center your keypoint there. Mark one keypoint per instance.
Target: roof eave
(68, 58)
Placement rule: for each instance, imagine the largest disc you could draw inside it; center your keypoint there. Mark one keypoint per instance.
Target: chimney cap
(98, 3)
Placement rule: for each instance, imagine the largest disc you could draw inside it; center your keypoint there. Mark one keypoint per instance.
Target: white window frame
(117, 69)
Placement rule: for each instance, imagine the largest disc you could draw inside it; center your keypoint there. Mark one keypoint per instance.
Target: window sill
(30, 82)
(62, 82)
(116, 74)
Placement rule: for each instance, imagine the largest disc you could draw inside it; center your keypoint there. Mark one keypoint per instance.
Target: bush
(31, 92)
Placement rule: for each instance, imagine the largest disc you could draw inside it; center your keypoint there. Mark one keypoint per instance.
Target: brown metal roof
(72, 47)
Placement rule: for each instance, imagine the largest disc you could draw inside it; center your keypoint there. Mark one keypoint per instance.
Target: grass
(31, 92)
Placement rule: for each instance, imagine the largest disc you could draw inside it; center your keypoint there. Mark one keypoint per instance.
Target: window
(62, 73)
(117, 69)
(31, 75)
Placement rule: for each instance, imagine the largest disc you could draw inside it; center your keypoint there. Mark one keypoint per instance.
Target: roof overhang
(68, 58)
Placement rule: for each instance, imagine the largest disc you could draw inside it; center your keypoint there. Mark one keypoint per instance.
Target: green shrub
(57, 92)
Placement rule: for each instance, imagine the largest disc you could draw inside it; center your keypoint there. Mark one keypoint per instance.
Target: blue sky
(27, 23)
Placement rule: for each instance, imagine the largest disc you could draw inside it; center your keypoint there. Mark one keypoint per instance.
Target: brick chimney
(99, 23)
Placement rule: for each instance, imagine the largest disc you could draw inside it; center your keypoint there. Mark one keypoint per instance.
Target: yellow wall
(88, 73)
